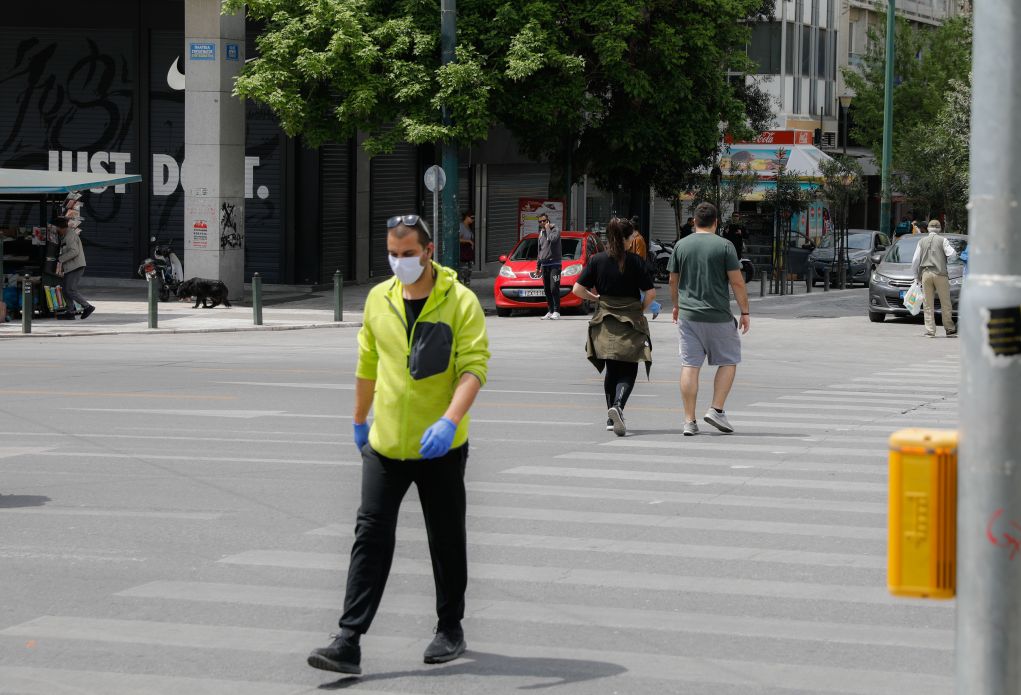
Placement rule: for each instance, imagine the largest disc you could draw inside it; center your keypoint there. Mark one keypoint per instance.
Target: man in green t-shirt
(703, 269)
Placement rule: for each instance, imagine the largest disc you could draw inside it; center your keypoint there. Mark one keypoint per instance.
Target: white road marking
(113, 513)
(777, 448)
(564, 614)
(815, 679)
(878, 468)
(695, 479)
(26, 680)
(686, 498)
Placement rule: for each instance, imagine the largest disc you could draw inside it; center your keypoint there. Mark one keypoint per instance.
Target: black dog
(204, 291)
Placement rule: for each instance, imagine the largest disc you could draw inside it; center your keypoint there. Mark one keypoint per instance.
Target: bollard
(826, 280)
(153, 297)
(808, 281)
(338, 296)
(26, 305)
(762, 284)
(257, 299)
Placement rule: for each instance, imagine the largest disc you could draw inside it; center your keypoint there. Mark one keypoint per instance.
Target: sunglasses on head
(409, 221)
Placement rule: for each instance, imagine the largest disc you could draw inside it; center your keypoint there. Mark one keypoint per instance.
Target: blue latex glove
(361, 434)
(437, 439)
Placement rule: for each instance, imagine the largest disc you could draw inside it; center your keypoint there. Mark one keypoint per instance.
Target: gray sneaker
(616, 416)
(690, 429)
(718, 420)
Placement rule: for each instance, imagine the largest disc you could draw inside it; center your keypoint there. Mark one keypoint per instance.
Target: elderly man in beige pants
(929, 265)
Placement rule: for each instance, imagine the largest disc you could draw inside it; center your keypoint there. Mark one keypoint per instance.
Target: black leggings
(619, 381)
(551, 286)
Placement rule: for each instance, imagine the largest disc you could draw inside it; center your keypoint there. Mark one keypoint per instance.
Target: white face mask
(407, 270)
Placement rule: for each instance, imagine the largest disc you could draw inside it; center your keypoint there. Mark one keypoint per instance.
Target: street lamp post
(845, 105)
(885, 204)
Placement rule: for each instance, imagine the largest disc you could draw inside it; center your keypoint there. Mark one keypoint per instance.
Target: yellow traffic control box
(922, 551)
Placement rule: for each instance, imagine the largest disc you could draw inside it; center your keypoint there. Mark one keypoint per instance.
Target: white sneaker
(616, 417)
(718, 420)
(690, 429)
(547, 316)
(555, 315)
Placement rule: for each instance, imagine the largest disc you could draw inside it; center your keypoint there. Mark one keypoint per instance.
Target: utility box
(922, 550)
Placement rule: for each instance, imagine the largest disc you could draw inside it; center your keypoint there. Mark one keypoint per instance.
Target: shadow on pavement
(14, 501)
(562, 671)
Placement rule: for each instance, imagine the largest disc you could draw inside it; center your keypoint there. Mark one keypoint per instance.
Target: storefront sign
(202, 51)
(529, 210)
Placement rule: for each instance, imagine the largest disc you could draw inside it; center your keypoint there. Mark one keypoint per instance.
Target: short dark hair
(705, 215)
(467, 213)
(59, 222)
(543, 214)
(402, 230)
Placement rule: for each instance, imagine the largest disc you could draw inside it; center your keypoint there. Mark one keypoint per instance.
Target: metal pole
(989, 484)
(153, 303)
(762, 282)
(27, 306)
(448, 46)
(884, 208)
(256, 299)
(338, 296)
(441, 240)
(826, 280)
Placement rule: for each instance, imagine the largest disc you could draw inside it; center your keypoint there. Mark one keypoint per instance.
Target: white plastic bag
(913, 298)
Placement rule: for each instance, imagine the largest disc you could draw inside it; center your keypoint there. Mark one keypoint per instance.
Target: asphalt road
(177, 510)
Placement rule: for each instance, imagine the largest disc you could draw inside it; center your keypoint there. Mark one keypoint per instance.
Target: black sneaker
(609, 425)
(87, 312)
(447, 645)
(343, 656)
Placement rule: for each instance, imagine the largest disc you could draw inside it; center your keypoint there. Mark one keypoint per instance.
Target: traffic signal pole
(989, 466)
(450, 219)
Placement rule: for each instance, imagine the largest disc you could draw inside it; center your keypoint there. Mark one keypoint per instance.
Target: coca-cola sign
(784, 137)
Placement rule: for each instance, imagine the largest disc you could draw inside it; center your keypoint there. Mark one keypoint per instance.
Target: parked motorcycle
(163, 264)
(660, 252)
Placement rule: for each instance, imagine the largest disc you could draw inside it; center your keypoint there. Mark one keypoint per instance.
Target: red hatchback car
(518, 287)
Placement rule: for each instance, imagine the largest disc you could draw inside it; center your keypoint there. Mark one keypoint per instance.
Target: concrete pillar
(214, 146)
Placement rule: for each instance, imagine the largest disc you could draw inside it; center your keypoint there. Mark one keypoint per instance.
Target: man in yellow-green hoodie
(422, 358)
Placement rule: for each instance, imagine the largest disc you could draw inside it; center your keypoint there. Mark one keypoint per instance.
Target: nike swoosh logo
(175, 78)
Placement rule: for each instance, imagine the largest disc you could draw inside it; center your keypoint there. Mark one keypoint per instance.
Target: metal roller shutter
(71, 93)
(507, 183)
(664, 224)
(394, 191)
(335, 182)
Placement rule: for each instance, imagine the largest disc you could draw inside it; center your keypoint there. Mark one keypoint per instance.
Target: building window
(789, 51)
(806, 51)
(764, 48)
(822, 41)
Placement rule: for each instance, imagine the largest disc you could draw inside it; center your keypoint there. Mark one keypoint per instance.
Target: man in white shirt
(929, 266)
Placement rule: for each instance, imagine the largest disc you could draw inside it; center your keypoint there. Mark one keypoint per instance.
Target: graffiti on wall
(230, 237)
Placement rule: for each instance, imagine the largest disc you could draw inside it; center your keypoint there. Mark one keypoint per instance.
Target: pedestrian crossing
(753, 563)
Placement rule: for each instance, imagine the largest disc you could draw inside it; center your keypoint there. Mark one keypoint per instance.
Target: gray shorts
(720, 341)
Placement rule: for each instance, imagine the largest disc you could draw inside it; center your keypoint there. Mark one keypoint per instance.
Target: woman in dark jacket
(618, 336)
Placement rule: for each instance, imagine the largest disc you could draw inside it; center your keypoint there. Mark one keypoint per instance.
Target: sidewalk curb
(167, 331)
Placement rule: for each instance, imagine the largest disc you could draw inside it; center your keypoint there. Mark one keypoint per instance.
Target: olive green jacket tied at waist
(619, 331)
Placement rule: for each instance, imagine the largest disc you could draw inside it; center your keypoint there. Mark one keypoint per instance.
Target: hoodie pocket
(430, 352)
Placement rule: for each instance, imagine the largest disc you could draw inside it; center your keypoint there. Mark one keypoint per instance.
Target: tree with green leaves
(632, 93)
(786, 199)
(930, 65)
(842, 186)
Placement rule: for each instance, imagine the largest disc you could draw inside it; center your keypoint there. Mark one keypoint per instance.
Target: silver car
(892, 276)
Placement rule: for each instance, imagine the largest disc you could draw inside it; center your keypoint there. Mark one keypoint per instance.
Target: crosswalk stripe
(894, 425)
(697, 479)
(26, 680)
(855, 399)
(145, 456)
(658, 521)
(603, 579)
(656, 497)
(851, 393)
(563, 614)
(878, 468)
(835, 418)
(778, 449)
(120, 513)
(658, 549)
(824, 406)
(879, 386)
(590, 662)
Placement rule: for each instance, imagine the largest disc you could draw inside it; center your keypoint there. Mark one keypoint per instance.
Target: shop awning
(764, 160)
(35, 182)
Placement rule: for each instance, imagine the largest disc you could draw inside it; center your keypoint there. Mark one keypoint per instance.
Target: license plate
(533, 293)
